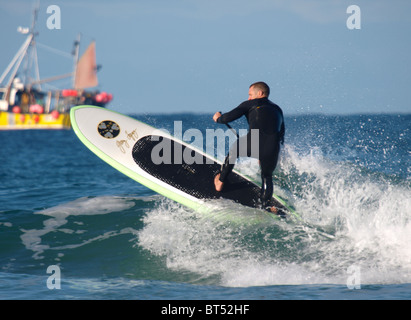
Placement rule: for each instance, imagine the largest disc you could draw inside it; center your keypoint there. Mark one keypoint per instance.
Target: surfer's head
(258, 90)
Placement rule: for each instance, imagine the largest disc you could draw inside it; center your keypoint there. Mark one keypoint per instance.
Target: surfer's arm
(216, 116)
(282, 130)
(282, 133)
(234, 114)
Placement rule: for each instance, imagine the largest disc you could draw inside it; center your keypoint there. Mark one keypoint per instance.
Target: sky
(200, 56)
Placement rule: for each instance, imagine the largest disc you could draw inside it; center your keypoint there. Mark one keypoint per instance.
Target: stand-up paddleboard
(156, 160)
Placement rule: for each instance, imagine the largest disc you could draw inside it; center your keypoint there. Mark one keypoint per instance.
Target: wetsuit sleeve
(235, 114)
(282, 133)
(282, 129)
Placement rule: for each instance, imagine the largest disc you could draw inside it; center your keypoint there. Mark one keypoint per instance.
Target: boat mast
(31, 57)
(18, 58)
(76, 51)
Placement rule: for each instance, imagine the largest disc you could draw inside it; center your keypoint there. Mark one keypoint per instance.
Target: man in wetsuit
(264, 118)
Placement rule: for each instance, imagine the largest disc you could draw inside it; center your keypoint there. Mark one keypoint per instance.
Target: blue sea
(72, 227)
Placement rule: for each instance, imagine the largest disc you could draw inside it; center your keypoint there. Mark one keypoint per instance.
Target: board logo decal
(108, 129)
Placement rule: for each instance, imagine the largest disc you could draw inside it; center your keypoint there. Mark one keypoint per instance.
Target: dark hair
(262, 86)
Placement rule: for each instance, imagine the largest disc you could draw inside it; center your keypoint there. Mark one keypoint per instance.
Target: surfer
(267, 118)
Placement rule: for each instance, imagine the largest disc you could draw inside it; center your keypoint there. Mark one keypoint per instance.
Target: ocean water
(72, 227)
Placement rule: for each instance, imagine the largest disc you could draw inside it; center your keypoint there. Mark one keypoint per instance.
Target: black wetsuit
(267, 120)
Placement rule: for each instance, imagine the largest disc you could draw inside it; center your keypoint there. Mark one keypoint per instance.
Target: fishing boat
(23, 102)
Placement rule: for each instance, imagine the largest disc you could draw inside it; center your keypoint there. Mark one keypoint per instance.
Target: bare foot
(274, 209)
(217, 183)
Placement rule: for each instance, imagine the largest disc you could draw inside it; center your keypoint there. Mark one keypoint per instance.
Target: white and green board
(128, 145)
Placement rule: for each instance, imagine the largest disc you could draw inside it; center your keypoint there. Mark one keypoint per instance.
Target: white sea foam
(87, 206)
(32, 239)
(351, 218)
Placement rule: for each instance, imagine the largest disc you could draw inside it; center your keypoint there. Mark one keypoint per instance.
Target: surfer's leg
(268, 162)
(266, 189)
(226, 169)
(228, 165)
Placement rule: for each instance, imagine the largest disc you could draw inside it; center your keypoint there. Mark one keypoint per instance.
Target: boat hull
(23, 121)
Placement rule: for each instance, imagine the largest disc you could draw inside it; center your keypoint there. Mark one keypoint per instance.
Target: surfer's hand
(216, 116)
